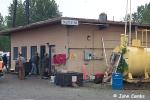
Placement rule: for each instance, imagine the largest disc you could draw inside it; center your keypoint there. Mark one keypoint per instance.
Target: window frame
(32, 51)
(24, 54)
(15, 53)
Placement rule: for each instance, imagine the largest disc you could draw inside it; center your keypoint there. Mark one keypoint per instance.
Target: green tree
(4, 43)
(20, 14)
(10, 15)
(43, 10)
(4, 40)
(146, 14)
(142, 15)
(39, 10)
(1, 22)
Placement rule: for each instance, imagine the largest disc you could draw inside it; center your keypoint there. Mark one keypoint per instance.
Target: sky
(88, 8)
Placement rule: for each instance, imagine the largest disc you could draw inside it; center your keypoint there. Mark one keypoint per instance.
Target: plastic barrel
(117, 81)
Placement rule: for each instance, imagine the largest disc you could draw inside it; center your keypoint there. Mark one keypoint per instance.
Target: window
(24, 51)
(42, 51)
(33, 50)
(15, 53)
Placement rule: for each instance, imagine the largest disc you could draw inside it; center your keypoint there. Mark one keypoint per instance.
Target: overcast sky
(88, 8)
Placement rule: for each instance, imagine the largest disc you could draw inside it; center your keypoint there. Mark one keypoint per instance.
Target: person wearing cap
(21, 61)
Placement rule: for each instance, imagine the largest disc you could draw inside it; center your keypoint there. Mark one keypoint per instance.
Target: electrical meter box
(88, 55)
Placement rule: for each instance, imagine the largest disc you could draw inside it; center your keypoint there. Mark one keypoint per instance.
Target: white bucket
(92, 77)
(52, 79)
(74, 79)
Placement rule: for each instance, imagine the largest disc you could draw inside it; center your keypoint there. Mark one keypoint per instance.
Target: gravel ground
(35, 88)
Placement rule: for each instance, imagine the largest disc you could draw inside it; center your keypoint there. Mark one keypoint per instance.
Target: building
(78, 40)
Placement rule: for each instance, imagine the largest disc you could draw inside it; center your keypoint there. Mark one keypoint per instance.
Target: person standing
(37, 59)
(33, 66)
(30, 64)
(21, 61)
(5, 60)
(46, 64)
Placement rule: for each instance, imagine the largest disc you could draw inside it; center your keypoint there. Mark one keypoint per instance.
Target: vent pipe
(103, 17)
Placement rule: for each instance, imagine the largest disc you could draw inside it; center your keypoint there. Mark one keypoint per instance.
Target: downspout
(93, 50)
(68, 49)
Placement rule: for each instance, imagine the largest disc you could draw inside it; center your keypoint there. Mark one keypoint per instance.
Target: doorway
(42, 54)
(42, 51)
(51, 51)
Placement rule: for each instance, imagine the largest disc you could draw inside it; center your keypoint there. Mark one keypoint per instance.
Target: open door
(42, 53)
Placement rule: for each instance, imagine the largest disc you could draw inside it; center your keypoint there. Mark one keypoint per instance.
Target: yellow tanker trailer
(133, 61)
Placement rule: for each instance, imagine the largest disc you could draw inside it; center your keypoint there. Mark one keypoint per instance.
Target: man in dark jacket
(5, 60)
(36, 59)
(46, 64)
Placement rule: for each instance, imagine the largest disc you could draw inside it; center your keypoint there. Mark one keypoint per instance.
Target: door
(51, 51)
(42, 51)
(42, 54)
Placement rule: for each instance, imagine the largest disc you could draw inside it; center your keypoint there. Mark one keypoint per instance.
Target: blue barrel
(117, 81)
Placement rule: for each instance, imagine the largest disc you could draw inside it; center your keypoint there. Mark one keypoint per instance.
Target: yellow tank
(138, 60)
(137, 57)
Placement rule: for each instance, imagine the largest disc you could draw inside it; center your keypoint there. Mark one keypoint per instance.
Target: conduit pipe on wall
(104, 52)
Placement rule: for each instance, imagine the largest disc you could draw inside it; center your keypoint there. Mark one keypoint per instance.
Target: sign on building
(69, 22)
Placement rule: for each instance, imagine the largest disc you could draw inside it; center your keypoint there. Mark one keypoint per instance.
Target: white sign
(74, 78)
(69, 22)
(52, 79)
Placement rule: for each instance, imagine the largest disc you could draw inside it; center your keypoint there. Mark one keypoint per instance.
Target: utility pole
(126, 19)
(130, 26)
(14, 13)
(27, 12)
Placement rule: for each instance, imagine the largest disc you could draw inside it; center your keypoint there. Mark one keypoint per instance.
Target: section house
(70, 42)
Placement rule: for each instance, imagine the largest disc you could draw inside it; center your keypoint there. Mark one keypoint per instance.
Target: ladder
(115, 60)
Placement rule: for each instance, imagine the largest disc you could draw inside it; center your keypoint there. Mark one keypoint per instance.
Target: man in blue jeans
(33, 68)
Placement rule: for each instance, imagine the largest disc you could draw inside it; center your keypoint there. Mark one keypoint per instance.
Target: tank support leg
(130, 76)
(146, 75)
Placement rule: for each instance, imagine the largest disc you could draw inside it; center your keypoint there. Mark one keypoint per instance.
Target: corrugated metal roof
(58, 20)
